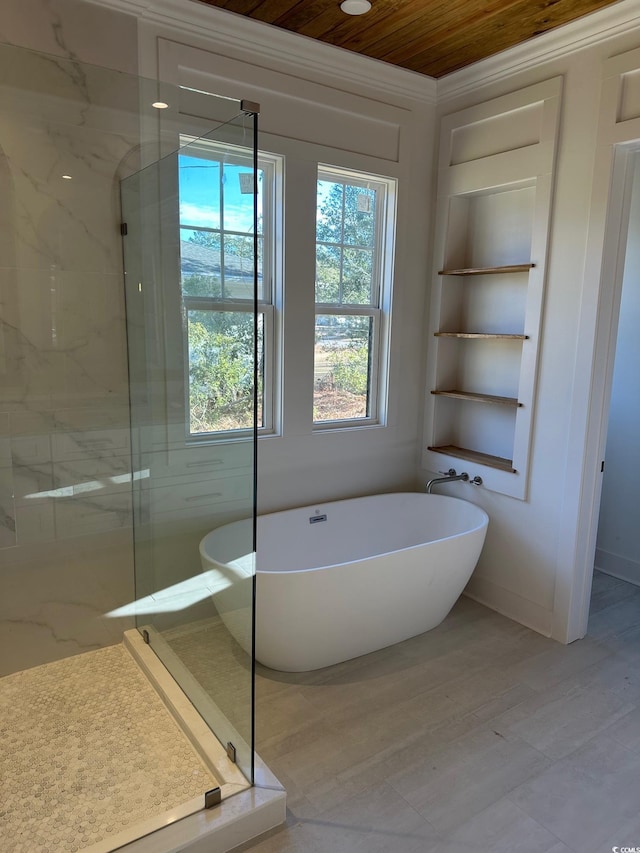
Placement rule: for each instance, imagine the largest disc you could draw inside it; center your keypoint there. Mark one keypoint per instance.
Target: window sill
(216, 438)
(345, 426)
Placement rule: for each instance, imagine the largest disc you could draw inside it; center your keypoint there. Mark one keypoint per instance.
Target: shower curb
(245, 811)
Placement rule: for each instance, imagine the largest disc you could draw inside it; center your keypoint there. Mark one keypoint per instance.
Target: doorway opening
(615, 597)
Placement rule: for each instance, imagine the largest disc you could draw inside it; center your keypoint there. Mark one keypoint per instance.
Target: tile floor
(478, 737)
(212, 656)
(87, 752)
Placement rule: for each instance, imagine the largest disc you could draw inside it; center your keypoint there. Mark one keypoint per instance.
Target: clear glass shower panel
(190, 248)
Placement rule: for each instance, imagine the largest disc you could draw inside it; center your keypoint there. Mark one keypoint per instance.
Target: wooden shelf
(475, 456)
(480, 398)
(488, 270)
(482, 335)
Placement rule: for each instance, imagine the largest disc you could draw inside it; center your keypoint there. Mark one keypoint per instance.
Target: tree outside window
(217, 279)
(351, 221)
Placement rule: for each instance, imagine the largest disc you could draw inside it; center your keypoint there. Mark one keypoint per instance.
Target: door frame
(605, 262)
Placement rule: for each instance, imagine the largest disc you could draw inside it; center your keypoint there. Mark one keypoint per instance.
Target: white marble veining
(90, 444)
(54, 597)
(7, 509)
(72, 416)
(84, 514)
(71, 29)
(36, 523)
(65, 470)
(31, 480)
(31, 449)
(5, 441)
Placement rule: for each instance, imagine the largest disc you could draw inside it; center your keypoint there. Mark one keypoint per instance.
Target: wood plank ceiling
(433, 37)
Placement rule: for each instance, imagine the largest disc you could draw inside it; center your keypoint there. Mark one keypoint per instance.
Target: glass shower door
(191, 276)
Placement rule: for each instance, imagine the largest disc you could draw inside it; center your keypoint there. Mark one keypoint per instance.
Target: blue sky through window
(201, 180)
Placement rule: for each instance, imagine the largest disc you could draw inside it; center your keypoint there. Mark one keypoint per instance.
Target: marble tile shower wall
(66, 554)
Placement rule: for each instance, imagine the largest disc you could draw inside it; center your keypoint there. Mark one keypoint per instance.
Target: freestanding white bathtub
(341, 579)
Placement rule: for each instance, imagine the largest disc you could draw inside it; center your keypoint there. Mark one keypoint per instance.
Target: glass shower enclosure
(191, 260)
(127, 429)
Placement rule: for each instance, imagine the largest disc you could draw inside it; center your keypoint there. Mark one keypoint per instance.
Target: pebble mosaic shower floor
(221, 667)
(87, 750)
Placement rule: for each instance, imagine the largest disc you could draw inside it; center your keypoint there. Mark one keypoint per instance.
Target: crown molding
(239, 33)
(593, 29)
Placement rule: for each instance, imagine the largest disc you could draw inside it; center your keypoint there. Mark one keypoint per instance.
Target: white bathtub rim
(320, 505)
(409, 548)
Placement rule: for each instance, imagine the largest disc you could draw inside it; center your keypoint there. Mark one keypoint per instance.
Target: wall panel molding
(304, 56)
(608, 23)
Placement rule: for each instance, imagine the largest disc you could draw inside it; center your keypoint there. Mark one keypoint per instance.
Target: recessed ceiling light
(67, 177)
(355, 7)
(160, 105)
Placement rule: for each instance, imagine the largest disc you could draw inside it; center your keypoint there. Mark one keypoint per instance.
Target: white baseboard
(617, 566)
(509, 604)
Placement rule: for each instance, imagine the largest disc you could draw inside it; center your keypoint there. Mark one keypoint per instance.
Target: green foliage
(350, 369)
(327, 274)
(345, 234)
(338, 223)
(202, 285)
(208, 239)
(220, 370)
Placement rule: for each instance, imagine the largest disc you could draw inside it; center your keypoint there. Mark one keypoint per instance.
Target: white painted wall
(528, 567)
(618, 543)
(347, 112)
(332, 108)
(495, 180)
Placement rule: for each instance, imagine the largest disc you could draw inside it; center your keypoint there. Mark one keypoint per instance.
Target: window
(353, 272)
(353, 256)
(216, 193)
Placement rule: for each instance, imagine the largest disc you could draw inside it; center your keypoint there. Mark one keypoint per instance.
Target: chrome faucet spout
(450, 477)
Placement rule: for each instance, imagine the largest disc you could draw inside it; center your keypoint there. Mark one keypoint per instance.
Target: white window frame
(272, 167)
(380, 306)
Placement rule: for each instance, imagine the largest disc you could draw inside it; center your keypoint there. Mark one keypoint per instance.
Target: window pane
(220, 349)
(200, 263)
(202, 285)
(238, 266)
(328, 273)
(345, 243)
(202, 274)
(357, 273)
(199, 187)
(342, 369)
(237, 181)
(359, 216)
(329, 212)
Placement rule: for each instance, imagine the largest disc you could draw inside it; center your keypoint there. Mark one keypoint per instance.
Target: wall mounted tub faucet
(449, 477)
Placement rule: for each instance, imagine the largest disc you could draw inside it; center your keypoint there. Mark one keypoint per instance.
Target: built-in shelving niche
(486, 308)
